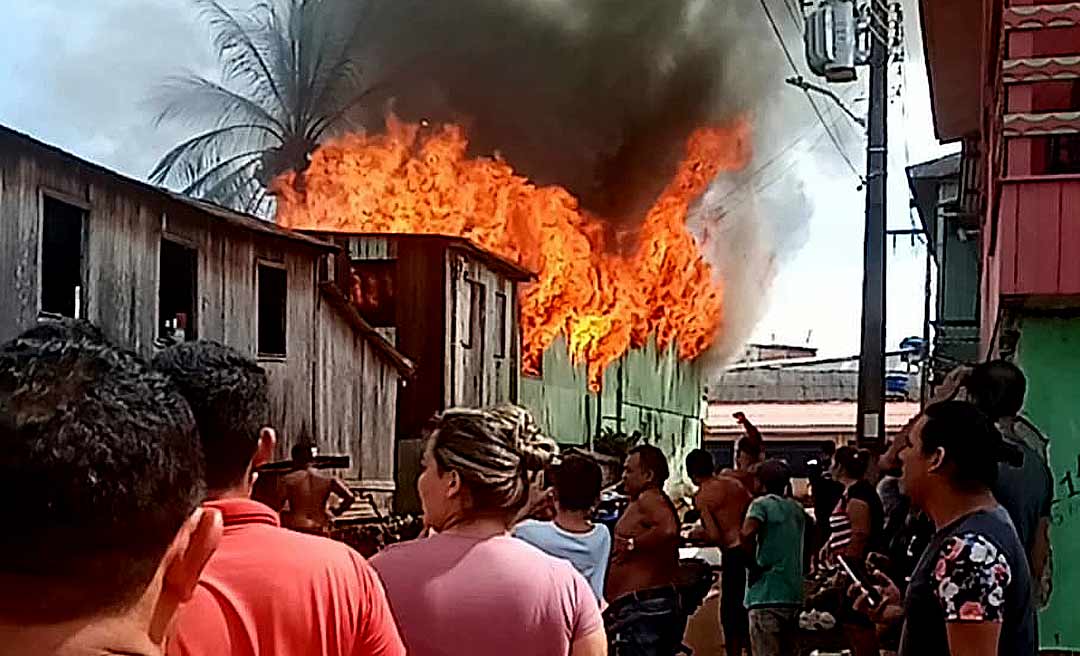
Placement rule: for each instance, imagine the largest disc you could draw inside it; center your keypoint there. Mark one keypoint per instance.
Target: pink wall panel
(1038, 238)
(1005, 261)
(1070, 237)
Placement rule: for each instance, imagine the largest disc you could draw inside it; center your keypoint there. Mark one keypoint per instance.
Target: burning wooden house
(616, 318)
(450, 307)
(151, 267)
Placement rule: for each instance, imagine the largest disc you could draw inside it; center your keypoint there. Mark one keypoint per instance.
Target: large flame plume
(605, 291)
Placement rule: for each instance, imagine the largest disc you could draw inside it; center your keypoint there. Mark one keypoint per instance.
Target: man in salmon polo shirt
(267, 591)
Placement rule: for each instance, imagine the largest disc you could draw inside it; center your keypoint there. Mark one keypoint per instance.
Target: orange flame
(604, 301)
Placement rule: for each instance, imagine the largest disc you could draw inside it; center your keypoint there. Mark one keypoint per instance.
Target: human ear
(936, 459)
(183, 563)
(454, 487)
(264, 452)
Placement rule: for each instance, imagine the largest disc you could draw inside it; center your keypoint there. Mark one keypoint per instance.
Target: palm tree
(288, 80)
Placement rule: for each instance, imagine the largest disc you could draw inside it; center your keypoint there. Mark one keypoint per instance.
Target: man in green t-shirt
(773, 531)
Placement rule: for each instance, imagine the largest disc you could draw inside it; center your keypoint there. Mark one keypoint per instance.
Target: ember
(604, 296)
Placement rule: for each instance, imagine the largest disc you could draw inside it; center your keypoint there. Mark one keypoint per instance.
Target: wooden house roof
(336, 299)
(238, 220)
(954, 64)
(219, 213)
(508, 268)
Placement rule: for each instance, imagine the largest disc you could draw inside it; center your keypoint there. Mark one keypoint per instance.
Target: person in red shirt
(267, 591)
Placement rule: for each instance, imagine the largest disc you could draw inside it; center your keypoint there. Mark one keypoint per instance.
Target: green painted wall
(647, 390)
(1049, 353)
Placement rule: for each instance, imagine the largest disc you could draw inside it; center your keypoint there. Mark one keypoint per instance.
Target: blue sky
(78, 74)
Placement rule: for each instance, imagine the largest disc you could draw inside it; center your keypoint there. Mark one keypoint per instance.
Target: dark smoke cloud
(598, 96)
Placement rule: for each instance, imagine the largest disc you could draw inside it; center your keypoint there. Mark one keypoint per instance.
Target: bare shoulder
(654, 502)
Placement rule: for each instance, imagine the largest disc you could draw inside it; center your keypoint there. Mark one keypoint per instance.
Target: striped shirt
(839, 526)
(840, 522)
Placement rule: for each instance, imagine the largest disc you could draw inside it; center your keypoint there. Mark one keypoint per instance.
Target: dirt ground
(705, 637)
(703, 633)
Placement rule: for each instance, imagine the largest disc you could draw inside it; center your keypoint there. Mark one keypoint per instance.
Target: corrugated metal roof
(783, 386)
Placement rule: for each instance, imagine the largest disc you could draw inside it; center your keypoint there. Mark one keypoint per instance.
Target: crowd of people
(948, 554)
(134, 531)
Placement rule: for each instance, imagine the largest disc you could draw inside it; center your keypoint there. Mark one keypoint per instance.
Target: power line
(809, 98)
(779, 36)
(792, 11)
(753, 175)
(781, 176)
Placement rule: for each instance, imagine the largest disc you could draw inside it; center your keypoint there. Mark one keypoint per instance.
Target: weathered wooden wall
(357, 392)
(477, 374)
(124, 226)
(228, 312)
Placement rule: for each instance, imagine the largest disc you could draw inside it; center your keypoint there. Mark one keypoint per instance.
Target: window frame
(192, 333)
(49, 194)
(261, 355)
(476, 323)
(502, 314)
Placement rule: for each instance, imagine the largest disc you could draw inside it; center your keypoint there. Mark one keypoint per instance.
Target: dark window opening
(61, 258)
(177, 292)
(374, 293)
(1049, 155)
(500, 323)
(1064, 154)
(273, 290)
(474, 332)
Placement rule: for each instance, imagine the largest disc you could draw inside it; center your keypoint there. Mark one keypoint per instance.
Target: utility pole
(871, 418)
(841, 35)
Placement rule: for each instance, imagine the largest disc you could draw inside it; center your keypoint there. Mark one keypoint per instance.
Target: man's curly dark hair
(228, 392)
(100, 467)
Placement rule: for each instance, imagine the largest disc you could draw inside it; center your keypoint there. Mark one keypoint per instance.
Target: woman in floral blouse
(970, 594)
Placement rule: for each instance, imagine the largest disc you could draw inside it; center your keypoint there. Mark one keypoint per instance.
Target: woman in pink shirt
(471, 587)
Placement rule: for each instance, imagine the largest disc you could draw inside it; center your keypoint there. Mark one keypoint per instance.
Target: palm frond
(230, 190)
(289, 74)
(195, 99)
(241, 57)
(326, 33)
(220, 139)
(215, 172)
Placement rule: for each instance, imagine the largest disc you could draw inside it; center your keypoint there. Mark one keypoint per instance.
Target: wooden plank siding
(477, 375)
(1039, 229)
(432, 282)
(331, 385)
(358, 388)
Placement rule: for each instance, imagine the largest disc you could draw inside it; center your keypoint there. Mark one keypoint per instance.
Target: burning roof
(607, 289)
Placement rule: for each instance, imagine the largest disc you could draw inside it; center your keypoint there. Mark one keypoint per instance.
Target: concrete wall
(1049, 353)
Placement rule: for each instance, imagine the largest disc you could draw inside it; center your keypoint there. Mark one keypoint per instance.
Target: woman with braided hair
(471, 587)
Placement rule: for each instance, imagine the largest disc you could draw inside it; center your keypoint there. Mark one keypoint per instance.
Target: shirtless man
(307, 493)
(645, 617)
(749, 453)
(722, 502)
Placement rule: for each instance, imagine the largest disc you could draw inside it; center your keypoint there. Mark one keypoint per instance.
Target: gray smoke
(599, 96)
